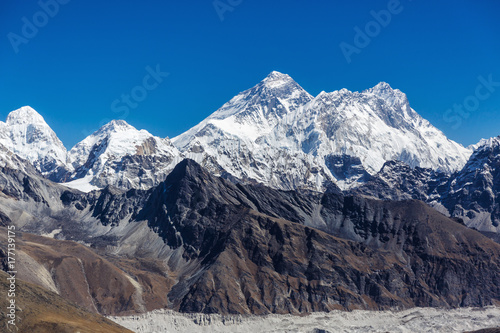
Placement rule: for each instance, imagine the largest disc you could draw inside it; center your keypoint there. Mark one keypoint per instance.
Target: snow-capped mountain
(275, 133)
(255, 112)
(231, 142)
(26, 133)
(120, 155)
(474, 192)
(279, 135)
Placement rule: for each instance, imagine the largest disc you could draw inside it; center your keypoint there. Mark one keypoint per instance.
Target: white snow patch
(82, 184)
(52, 234)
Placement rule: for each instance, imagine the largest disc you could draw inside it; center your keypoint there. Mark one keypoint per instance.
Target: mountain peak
(486, 143)
(382, 89)
(117, 126)
(276, 74)
(120, 155)
(385, 91)
(24, 115)
(276, 79)
(190, 168)
(382, 86)
(26, 133)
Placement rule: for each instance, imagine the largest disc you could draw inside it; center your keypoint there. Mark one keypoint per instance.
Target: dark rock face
(475, 189)
(345, 167)
(470, 194)
(4, 220)
(254, 249)
(19, 185)
(398, 181)
(233, 248)
(487, 330)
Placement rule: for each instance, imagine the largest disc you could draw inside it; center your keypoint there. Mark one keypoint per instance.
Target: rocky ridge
(234, 248)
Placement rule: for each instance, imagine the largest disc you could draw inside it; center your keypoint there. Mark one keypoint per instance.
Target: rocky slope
(403, 242)
(97, 283)
(230, 248)
(473, 192)
(469, 194)
(398, 181)
(42, 311)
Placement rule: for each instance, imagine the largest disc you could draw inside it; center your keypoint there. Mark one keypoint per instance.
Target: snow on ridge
(272, 133)
(23, 115)
(486, 143)
(118, 154)
(282, 131)
(276, 79)
(26, 134)
(254, 112)
(82, 184)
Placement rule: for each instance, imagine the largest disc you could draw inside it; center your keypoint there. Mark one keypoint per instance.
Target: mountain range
(275, 133)
(278, 202)
(199, 243)
(278, 135)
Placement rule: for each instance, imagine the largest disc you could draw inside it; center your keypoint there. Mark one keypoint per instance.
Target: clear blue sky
(91, 52)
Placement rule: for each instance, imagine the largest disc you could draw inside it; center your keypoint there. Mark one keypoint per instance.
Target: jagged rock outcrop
(399, 254)
(470, 194)
(235, 248)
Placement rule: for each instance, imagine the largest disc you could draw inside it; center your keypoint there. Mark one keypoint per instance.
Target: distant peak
(187, 168)
(386, 92)
(486, 143)
(382, 86)
(276, 79)
(276, 75)
(23, 115)
(117, 126)
(119, 122)
(382, 89)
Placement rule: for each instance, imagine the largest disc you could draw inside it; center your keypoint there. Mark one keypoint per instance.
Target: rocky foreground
(42, 311)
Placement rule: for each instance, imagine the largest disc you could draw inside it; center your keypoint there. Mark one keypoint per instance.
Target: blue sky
(85, 56)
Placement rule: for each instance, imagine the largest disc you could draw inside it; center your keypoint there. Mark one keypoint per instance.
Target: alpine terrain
(277, 203)
(277, 134)
(470, 194)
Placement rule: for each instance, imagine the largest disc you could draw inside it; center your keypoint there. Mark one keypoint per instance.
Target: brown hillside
(42, 311)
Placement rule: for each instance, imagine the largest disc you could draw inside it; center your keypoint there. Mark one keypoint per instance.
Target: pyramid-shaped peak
(277, 75)
(386, 92)
(383, 89)
(189, 167)
(117, 126)
(276, 79)
(382, 86)
(191, 174)
(25, 115)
